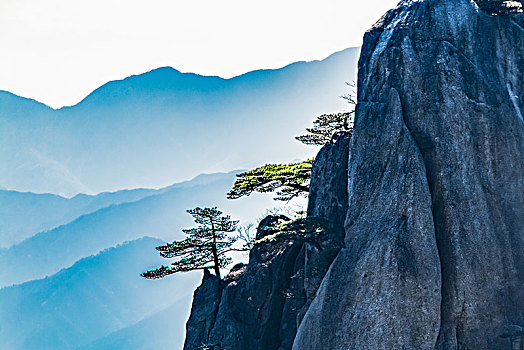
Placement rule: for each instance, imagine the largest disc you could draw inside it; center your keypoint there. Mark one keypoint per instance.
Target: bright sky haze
(58, 51)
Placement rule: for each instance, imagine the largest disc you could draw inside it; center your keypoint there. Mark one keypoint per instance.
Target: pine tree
(204, 248)
(325, 126)
(291, 180)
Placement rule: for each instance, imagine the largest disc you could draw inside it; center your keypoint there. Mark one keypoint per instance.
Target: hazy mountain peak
(165, 126)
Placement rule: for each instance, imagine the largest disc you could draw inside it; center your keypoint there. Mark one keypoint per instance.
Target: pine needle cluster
(291, 180)
(325, 126)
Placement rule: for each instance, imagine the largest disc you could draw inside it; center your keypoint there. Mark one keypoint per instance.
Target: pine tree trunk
(214, 251)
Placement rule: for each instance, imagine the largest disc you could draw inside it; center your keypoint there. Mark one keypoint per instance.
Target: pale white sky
(58, 51)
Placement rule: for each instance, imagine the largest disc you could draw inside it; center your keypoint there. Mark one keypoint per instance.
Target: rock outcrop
(203, 311)
(329, 181)
(427, 220)
(259, 306)
(434, 253)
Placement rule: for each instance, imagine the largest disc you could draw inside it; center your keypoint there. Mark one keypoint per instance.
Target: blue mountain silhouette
(164, 126)
(23, 214)
(96, 296)
(161, 215)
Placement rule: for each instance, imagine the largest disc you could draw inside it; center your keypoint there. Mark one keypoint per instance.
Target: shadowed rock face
(250, 311)
(500, 7)
(387, 279)
(327, 191)
(203, 311)
(434, 245)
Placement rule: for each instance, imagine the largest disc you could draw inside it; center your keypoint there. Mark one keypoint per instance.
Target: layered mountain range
(164, 126)
(75, 283)
(89, 300)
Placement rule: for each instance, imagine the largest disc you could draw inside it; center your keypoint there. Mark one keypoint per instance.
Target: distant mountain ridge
(164, 126)
(47, 211)
(155, 79)
(161, 215)
(78, 284)
(138, 336)
(71, 265)
(96, 296)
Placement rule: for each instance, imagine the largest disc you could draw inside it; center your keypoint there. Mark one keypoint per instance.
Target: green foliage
(325, 126)
(302, 229)
(291, 180)
(205, 246)
(313, 230)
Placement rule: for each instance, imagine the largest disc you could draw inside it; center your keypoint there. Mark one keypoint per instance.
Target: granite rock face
(434, 245)
(383, 289)
(250, 311)
(327, 191)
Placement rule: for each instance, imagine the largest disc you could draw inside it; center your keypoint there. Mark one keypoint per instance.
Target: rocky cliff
(427, 219)
(434, 251)
(259, 306)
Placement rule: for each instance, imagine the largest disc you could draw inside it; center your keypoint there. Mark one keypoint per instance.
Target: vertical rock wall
(203, 311)
(383, 290)
(434, 253)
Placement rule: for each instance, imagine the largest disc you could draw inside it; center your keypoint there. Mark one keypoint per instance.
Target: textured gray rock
(428, 218)
(267, 225)
(327, 191)
(250, 311)
(434, 253)
(244, 311)
(383, 290)
(203, 311)
(328, 200)
(498, 6)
